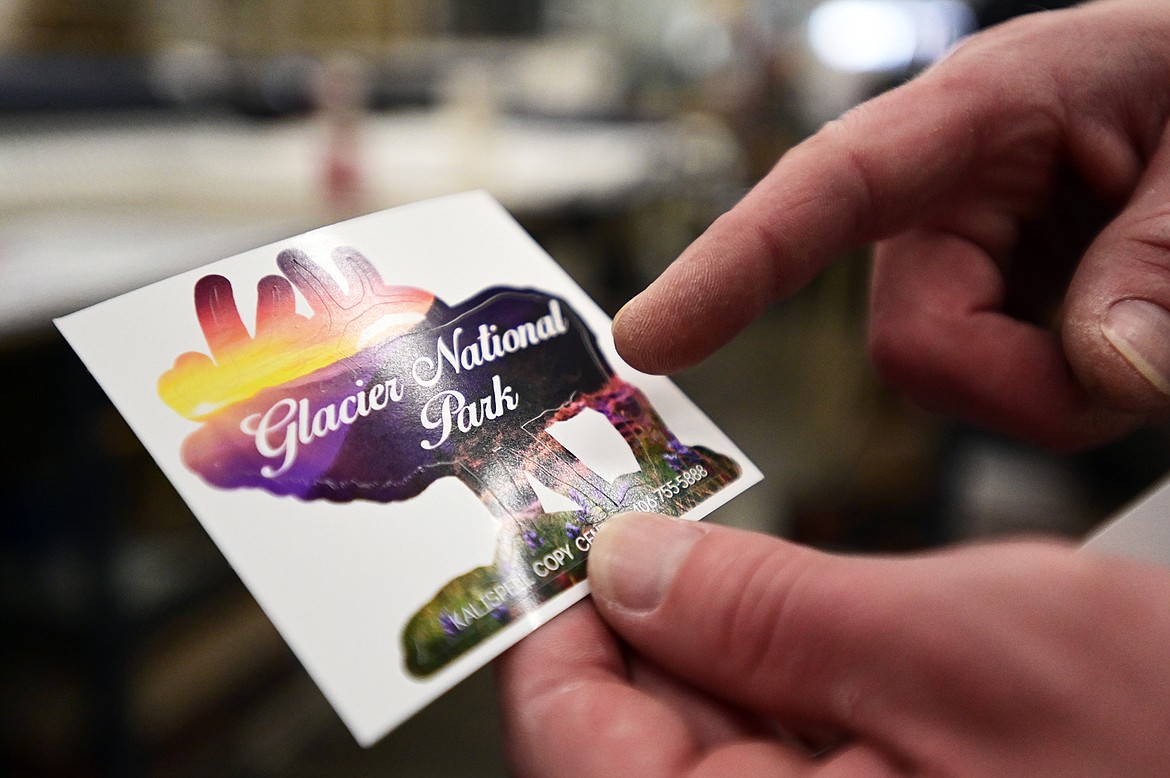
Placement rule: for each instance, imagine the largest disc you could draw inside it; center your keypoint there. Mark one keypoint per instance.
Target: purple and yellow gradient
(286, 345)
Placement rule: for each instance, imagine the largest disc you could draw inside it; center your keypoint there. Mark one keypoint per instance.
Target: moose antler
(287, 345)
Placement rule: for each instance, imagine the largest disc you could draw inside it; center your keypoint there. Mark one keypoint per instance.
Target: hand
(1034, 150)
(1020, 659)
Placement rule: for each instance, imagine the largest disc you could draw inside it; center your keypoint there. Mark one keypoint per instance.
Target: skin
(1015, 193)
(984, 183)
(1019, 659)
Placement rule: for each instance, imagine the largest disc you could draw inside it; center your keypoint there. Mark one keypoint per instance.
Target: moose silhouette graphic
(385, 389)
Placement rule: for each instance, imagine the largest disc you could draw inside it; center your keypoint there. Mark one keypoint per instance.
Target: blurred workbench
(96, 207)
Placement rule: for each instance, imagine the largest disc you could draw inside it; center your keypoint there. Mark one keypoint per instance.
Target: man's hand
(1037, 151)
(728, 647)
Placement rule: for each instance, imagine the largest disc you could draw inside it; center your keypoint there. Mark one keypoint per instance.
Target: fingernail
(1140, 331)
(635, 556)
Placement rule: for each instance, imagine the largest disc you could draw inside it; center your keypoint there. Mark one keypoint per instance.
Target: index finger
(862, 176)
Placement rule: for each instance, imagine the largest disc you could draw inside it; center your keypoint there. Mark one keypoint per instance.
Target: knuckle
(897, 342)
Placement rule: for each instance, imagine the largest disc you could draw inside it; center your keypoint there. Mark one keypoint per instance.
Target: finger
(1117, 326)
(710, 721)
(763, 758)
(859, 178)
(965, 661)
(869, 647)
(320, 289)
(215, 307)
(275, 305)
(569, 708)
(744, 602)
(938, 333)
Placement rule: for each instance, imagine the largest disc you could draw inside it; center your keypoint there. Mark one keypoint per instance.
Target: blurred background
(139, 138)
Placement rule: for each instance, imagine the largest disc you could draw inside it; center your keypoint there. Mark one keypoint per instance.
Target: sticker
(1140, 531)
(403, 431)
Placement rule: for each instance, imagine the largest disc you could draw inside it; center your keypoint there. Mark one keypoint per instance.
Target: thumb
(1117, 326)
(972, 661)
(771, 627)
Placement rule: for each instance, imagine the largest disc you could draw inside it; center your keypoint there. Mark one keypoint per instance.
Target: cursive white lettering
(289, 424)
(449, 409)
(488, 346)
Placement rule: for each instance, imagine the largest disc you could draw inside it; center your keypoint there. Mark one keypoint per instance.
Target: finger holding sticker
(713, 651)
(963, 177)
